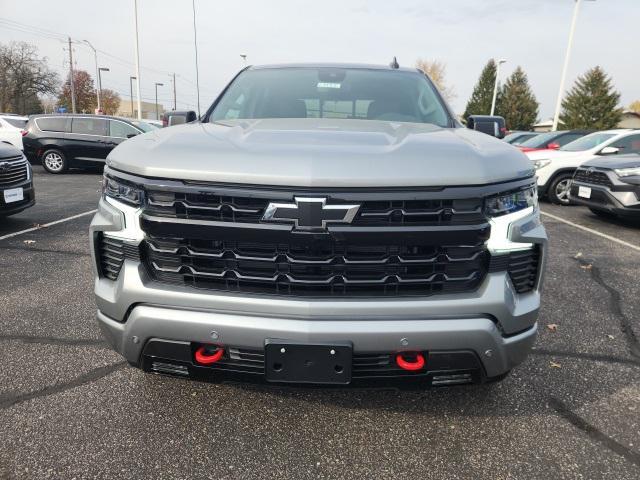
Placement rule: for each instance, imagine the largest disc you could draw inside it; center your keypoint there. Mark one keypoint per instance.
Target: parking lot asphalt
(71, 408)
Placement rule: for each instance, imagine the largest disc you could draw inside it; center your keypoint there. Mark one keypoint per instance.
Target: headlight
(538, 164)
(121, 190)
(511, 202)
(627, 172)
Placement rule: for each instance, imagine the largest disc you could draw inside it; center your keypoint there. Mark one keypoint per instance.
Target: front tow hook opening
(208, 354)
(414, 363)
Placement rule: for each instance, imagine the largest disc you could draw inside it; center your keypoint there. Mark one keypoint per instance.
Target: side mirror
(490, 124)
(131, 135)
(553, 146)
(178, 118)
(609, 151)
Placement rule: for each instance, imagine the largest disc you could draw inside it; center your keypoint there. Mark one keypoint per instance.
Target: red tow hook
(209, 354)
(418, 364)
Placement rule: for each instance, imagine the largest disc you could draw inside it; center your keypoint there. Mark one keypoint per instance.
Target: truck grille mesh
(583, 175)
(14, 172)
(325, 269)
(240, 209)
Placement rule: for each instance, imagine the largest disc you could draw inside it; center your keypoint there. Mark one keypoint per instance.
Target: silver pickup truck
(320, 223)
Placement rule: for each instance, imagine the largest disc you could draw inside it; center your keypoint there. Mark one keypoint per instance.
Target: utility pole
(131, 79)
(195, 44)
(73, 88)
(563, 78)
(135, 16)
(495, 86)
(174, 92)
(157, 113)
(95, 56)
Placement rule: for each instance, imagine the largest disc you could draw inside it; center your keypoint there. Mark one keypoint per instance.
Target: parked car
(555, 168)
(609, 186)
(320, 224)
(12, 129)
(552, 140)
(516, 138)
(16, 181)
(61, 142)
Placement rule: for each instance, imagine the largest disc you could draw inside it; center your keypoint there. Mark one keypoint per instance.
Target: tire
(558, 192)
(54, 161)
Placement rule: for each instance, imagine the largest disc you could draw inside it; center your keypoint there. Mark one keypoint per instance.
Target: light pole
(244, 57)
(135, 17)
(131, 79)
(101, 69)
(95, 56)
(563, 77)
(158, 85)
(195, 46)
(495, 86)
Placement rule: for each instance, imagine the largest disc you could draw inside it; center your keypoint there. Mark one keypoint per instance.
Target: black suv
(609, 186)
(16, 181)
(63, 141)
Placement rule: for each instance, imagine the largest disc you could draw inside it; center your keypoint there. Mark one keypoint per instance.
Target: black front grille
(111, 253)
(320, 266)
(593, 177)
(13, 171)
(202, 205)
(522, 267)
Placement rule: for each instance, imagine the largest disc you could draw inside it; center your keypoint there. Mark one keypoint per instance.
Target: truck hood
(321, 153)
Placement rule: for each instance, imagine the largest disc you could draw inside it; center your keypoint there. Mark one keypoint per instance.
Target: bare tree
(23, 77)
(437, 72)
(635, 106)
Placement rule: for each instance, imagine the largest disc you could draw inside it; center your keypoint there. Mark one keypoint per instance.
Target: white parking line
(591, 230)
(33, 229)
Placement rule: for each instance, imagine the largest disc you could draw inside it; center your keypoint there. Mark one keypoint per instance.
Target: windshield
(327, 92)
(144, 126)
(587, 143)
(16, 122)
(540, 140)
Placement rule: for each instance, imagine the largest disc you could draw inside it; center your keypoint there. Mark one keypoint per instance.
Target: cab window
(121, 129)
(89, 126)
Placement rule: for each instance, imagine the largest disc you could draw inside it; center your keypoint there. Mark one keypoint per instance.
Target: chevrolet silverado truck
(324, 224)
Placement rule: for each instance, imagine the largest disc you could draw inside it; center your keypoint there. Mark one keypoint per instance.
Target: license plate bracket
(293, 362)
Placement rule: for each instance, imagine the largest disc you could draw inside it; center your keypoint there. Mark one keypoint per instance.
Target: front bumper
(495, 323)
(622, 199)
(17, 207)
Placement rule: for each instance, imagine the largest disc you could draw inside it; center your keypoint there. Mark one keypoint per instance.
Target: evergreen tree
(592, 103)
(518, 104)
(480, 101)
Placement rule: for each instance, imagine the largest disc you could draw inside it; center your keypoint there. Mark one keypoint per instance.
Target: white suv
(555, 168)
(11, 128)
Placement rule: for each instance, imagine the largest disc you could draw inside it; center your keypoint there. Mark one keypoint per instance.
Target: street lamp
(101, 69)
(244, 57)
(495, 86)
(556, 117)
(95, 56)
(137, 52)
(131, 79)
(158, 85)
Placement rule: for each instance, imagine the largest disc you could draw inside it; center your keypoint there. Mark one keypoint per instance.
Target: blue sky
(464, 34)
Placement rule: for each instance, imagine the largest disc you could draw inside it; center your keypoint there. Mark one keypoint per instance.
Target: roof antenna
(394, 64)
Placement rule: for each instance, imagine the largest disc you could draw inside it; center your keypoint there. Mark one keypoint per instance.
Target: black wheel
(602, 213)
(54, 161)
(559, 189)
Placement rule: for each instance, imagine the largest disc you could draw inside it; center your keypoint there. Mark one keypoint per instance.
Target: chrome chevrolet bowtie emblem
(310, 213)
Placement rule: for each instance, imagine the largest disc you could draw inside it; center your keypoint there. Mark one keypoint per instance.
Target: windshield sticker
(328, 85)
